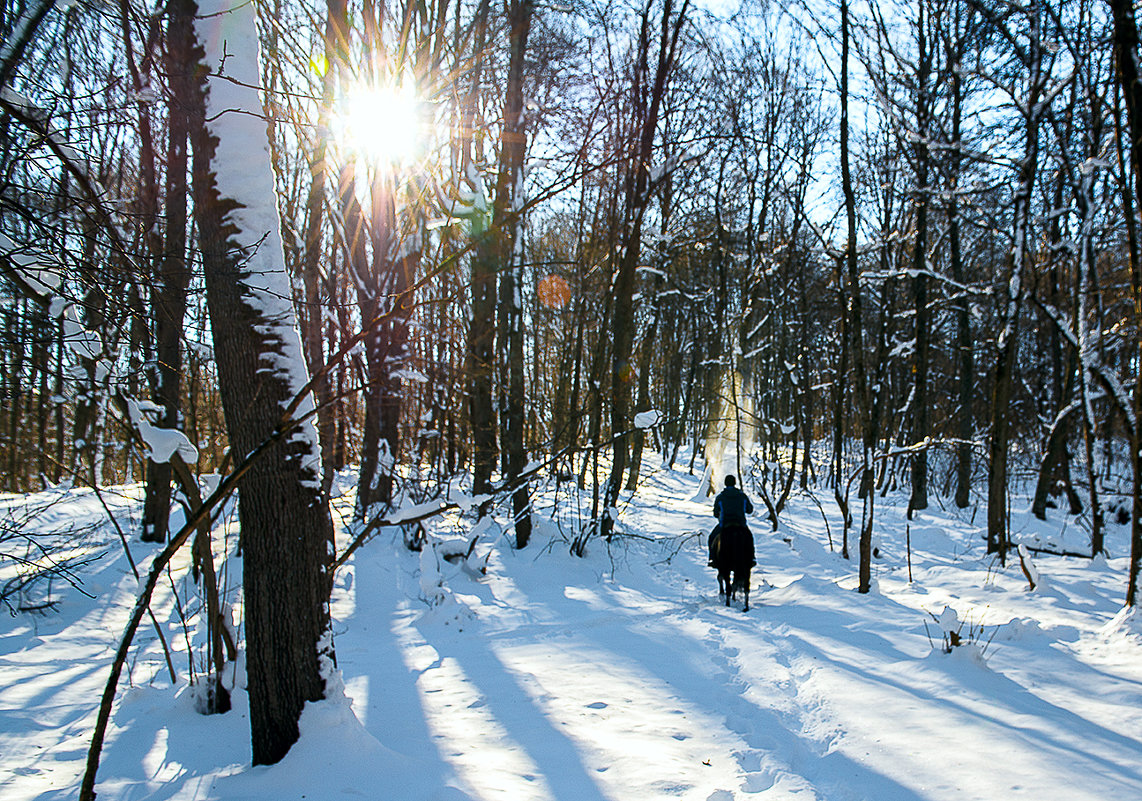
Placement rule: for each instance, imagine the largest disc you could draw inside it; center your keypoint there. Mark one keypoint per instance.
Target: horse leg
(745, 588)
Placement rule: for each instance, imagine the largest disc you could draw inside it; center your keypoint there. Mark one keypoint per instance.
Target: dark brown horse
(732, 549)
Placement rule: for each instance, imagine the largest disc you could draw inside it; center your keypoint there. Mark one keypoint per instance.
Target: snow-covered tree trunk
(286, 526)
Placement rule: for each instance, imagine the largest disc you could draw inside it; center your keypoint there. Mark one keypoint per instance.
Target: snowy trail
(611, 687)
(603, 678)
(621, 676)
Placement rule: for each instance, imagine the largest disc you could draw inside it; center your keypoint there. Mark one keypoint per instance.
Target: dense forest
(468, 246)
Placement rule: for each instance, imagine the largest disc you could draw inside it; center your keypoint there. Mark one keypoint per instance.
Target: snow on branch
(1095, 366)
(36, 275)
(23, 32)
(160, 444)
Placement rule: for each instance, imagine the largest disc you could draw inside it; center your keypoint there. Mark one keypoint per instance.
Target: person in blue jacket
(731, 507)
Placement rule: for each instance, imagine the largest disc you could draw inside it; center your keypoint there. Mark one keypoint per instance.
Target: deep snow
(615, 676)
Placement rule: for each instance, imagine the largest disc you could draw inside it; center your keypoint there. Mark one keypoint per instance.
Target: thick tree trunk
(287, 532)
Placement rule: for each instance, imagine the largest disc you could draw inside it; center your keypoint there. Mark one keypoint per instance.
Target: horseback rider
(731, 507)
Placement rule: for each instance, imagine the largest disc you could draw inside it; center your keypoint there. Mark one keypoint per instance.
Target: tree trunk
(287, 533)
(1086, 286)
(312, 317)
(482, 325)
(855, 335)
(920, 426)
(174, 275)
(1011, 301)
(509, 204)
(637, 199)
(1055, 466)
(965, 368)
(642, 402)
(1126, 60)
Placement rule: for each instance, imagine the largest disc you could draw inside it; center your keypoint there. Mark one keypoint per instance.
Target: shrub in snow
(956, 633)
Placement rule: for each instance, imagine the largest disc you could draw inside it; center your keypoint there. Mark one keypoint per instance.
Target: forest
(474, 253)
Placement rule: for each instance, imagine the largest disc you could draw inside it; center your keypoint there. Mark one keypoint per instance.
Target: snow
(160, 444)
(42, 280)
(647, 419)
(619, 675)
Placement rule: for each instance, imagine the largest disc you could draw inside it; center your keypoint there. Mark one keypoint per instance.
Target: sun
(381, 124)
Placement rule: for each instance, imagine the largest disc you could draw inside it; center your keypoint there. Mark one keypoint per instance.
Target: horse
(732, 548)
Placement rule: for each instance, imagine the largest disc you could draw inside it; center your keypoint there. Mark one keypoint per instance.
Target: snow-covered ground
(618, 675)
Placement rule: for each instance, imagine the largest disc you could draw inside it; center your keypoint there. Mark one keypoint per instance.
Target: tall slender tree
(1126, 56)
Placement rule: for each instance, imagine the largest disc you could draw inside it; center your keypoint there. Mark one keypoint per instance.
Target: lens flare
(554, 291)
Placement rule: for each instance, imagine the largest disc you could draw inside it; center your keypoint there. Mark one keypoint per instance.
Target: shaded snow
(621, 676)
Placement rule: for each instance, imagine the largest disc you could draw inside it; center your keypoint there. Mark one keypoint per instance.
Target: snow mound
(1029, 630)
(334, 756)
(1126, 625)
